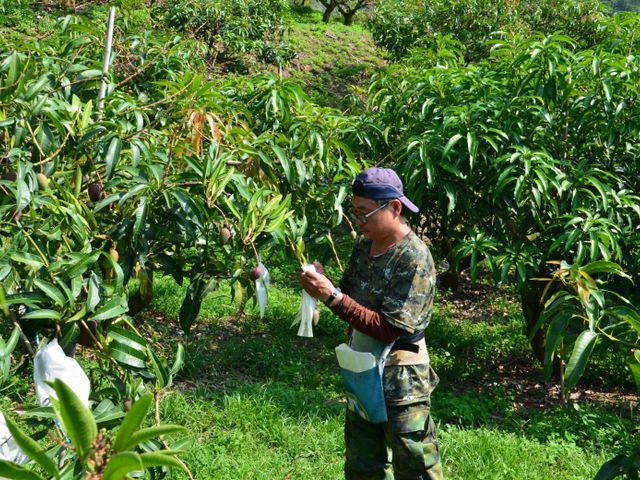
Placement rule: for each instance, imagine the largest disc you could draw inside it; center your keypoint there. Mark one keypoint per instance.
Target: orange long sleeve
(365, 320)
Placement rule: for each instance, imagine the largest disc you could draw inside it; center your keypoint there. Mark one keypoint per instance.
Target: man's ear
(397, 206)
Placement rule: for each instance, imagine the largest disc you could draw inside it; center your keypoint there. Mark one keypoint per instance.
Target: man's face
(372, 218)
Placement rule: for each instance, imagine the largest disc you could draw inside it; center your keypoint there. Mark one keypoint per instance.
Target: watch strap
(332, 297)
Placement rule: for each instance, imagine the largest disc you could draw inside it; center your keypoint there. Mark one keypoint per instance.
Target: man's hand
(316, 285)
(318, 266)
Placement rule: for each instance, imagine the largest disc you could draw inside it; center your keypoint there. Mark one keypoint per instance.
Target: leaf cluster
(399, 25)
(86, 452)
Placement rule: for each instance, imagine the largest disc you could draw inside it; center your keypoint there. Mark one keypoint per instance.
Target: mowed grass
(259, 402)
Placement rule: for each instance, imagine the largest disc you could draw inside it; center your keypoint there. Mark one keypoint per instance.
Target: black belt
(408, 342)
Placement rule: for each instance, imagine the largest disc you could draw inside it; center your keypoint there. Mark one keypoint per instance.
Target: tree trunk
(326, 16)
(449, 280)
(142, 298)
(532, 306)
(348, 18)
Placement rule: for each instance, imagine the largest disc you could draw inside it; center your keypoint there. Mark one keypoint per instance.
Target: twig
(136, 73)
(159, 102)
(167, 166)
(24, 338)
(333, 249)
(35, 140)
(226, 223)
(184, 184)
(54, 154)
(44, 259)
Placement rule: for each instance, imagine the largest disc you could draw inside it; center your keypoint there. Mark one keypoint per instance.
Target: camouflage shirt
(399, 284)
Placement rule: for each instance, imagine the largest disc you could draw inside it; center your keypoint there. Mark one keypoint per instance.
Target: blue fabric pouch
(365, 395)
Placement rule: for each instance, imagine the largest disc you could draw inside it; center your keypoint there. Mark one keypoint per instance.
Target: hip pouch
(365, 395)
(362, 380)
(362, 374)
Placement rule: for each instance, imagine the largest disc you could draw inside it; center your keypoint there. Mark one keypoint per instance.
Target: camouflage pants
(409, 436)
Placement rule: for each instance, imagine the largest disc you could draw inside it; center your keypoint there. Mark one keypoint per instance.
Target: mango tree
(522, 159)
(171, 173)
(174, 174)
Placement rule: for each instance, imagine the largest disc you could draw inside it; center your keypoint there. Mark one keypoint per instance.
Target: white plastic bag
(50, 363)
(9, 450)
(262, 282)
(305, 313)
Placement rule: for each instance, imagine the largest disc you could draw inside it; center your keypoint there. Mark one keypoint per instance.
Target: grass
(261, 403)
(334, 62)
(492, 454)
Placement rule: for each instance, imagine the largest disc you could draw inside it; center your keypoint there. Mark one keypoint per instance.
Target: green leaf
(284, 161)
(13, 471)
(113, 155)
(31, 448)
(93, 292)
(80, 265)
(113, 308)
(148, 434)
(127, 355)
(132, 192)
(27, 258)
(635, 373)
(76, 419)
(179, 360)
(132, 421)
(44, 137)
(119, 466)
(160, 459)
(450, 190)
(50, 291)
(41, 314)
(555, 334)
(602, 266)
(581, 352)
(106, 413)
(40, 412)
(192, 303)
(88, 74)
(159, 370)
(613, 468)
(127, 337)
(7, 348)
(627, 314)
(29, 299)
(451, 143)
(37, 86)
(141, 217)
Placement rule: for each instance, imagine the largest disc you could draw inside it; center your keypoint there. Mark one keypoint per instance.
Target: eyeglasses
(363, 218)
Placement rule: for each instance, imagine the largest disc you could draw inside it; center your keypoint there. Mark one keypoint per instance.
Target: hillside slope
(334, 62)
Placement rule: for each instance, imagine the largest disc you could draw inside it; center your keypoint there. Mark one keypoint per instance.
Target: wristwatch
(332, 297)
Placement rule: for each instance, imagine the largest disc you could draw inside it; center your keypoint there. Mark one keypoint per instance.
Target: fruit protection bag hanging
(9, 449)
(305, 313)
(262, 282)
(51, 363)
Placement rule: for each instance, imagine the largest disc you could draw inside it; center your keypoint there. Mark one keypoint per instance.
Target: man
(386, 295)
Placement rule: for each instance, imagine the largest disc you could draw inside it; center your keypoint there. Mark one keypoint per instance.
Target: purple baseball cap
(378, 183)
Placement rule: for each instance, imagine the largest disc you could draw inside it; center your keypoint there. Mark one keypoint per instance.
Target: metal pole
(107, 56)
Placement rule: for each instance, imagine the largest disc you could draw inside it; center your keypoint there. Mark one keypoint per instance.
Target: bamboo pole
(107, 56)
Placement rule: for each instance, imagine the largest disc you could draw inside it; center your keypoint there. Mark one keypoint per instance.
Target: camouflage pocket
(406, 384)
(409, 418)
(434, 379)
